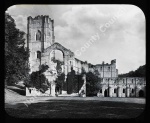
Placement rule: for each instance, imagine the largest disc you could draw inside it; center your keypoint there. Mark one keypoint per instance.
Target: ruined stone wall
(122, 87)
(107, 70)
(40, 37)
(79, 65)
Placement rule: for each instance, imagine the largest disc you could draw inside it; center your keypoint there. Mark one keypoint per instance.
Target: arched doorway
(141, 93)
(57, 57)
(56, 53)
(106, 93)
(67, 55)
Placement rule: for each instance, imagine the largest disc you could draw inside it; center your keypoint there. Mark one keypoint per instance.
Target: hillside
(15, 93)
(13, 97)
(140, 72)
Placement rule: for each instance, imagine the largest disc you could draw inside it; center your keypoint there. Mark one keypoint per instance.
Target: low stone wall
(35, 92)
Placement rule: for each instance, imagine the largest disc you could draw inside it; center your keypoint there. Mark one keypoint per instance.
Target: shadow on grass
(19, 91)
(21, 87)
(77, 109)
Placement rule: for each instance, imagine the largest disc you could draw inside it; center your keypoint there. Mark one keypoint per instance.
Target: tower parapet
(43, 27)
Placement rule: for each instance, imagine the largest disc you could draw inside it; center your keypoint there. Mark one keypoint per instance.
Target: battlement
(42, 18)
(106, 64)
(40, 32)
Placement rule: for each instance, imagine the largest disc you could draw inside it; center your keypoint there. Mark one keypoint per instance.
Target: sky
(95, 33)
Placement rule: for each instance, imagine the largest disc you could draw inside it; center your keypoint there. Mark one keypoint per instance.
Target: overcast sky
(117, 31)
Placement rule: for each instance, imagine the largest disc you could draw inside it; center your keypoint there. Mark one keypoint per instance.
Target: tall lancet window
(38, 54)
(38, 36)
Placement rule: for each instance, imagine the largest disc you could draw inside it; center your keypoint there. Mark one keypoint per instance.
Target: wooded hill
(140, 72)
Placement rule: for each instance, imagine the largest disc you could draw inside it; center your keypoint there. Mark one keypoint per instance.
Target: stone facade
(122, 87)
(107, 70)
(40, 35)
(41, 44)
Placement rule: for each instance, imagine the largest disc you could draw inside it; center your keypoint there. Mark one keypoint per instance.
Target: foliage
(70, 81)
(60, 80)
(92, 81)
(140, 72)
(43, 68)
(96, 72)
(83, 71)
(59, 64)
(16, 55)
(38, 79)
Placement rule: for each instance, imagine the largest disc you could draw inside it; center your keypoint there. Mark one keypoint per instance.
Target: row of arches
(106, 92)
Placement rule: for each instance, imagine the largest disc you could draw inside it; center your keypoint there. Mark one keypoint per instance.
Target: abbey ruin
(41, 43)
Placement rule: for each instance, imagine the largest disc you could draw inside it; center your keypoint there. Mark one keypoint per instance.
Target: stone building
(122, 87)
(42, 45)
(107, 70)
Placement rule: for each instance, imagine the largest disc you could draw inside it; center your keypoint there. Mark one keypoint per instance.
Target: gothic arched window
(38, 35)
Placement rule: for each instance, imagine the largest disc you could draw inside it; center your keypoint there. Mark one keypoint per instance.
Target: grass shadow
(19, 91)
(78, 109)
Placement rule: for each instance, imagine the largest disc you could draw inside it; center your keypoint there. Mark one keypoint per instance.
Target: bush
(38, 80)
(92, 80)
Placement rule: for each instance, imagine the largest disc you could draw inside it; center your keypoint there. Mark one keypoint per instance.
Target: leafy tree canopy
(140, 72)
(16, 55)
(38, 79)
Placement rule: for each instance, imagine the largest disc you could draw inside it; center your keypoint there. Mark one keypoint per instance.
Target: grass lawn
(76, 109)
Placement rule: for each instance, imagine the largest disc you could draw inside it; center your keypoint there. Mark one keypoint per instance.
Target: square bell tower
(40, 35)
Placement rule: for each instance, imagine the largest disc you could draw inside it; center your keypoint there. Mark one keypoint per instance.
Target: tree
(16, 56)
(38, 79)
(92, 81)
(140, 72)
(96, 72)
(83, 71)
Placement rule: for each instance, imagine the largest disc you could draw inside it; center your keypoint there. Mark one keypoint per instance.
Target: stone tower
(40, 35)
